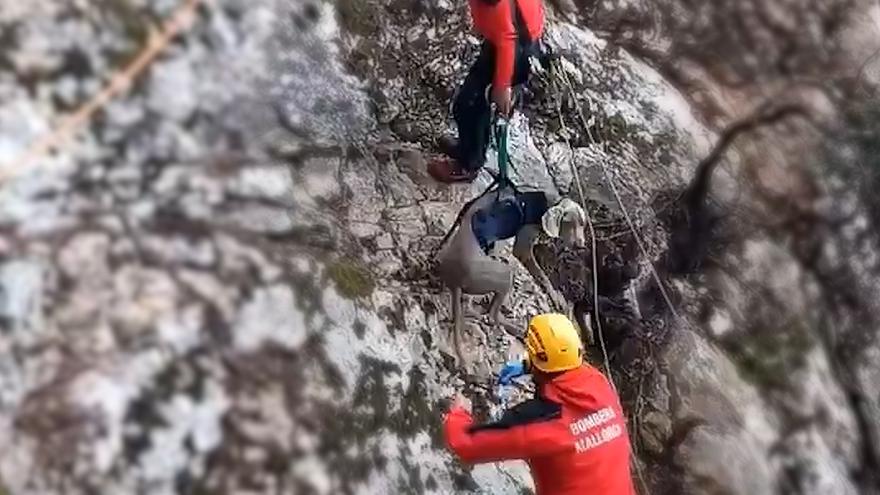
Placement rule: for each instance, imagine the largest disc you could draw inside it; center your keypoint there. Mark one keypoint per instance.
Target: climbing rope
(635, 234)
(583, 201)
(609, 179)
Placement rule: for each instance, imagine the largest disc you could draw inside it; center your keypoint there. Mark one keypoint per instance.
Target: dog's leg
(502, 290)
(484, 275)
(498, 300)
(581, 311)
(511, 328)
(493, 276)
(632, 298)
(457, 324)
(523, 250)
(458, 321)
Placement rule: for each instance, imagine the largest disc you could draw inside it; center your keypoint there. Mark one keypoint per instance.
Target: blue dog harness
(505, 216)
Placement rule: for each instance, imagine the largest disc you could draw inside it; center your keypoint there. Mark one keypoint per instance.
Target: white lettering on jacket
(594, 440)
(591, 421)
(593, 429)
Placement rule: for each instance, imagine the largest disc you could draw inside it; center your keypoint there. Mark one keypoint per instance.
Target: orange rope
(179, 20)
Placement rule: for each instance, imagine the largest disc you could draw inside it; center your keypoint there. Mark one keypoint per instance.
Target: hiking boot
(448, 145)
(448, 170)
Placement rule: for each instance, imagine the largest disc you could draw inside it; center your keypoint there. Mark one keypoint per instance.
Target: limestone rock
(222, 283)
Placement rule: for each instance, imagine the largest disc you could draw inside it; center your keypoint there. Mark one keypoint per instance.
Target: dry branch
(157, 41)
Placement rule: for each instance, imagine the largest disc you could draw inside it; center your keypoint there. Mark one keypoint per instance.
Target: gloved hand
(511, 370)
(503, 99)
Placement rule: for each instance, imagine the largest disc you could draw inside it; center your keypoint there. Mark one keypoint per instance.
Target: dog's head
(566, 220)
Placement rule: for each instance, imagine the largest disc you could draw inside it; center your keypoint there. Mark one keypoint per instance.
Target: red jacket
(495, 21)
(573, 437)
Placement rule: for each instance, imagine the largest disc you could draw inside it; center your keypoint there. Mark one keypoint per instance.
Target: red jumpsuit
(573, 437)
(498, 25)
(503, 62)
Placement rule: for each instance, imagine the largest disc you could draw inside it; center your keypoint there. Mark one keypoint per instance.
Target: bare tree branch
(699, 186)
(861, 72)
(118, 83)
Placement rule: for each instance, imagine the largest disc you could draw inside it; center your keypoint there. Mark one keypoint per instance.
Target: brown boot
(448, 170)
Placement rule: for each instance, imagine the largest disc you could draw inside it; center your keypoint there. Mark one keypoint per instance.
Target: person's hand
(511, 370)
(461, 402)
(503, 99)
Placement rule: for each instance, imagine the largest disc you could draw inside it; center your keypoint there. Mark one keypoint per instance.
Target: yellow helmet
(553, 343)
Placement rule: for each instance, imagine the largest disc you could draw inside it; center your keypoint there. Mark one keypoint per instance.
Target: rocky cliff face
(223, 283)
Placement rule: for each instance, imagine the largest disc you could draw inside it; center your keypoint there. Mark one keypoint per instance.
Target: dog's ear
(551, 220)
(579, 211)
(553, 217)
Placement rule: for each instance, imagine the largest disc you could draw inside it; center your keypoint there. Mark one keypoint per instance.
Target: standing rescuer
(572, 434)
(510, 31)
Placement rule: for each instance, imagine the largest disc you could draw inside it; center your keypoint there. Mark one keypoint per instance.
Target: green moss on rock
(767, 357)
(352, 280)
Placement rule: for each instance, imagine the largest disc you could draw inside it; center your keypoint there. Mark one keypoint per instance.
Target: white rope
(609, 179)
(583, 201)
(595, 263)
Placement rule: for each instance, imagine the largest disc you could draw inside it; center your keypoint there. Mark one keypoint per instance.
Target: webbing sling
(501, 125)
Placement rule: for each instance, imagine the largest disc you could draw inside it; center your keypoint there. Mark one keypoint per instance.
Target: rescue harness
(511, 209)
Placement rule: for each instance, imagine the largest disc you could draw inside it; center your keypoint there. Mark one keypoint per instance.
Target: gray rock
(405, 129)
(655, 429)
(21, 295)
(272, 182)
(270, 316)
(171, 92)
(179, 316)
(732, 414)
(412, 163)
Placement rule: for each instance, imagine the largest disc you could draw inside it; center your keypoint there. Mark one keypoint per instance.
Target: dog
(466, 267)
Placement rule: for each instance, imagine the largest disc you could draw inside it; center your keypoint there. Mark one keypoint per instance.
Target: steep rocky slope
(223, 285)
